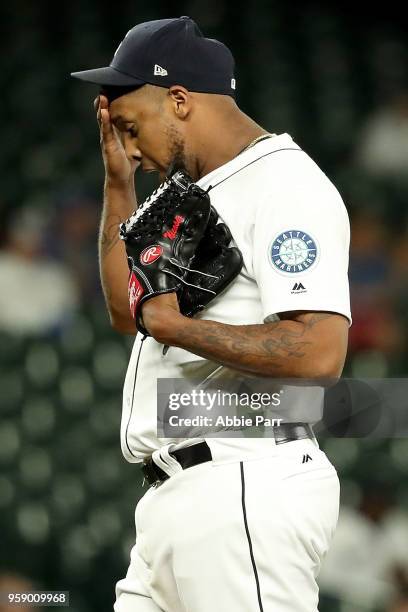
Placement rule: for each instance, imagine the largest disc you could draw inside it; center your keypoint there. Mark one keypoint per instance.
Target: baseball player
(229, 524)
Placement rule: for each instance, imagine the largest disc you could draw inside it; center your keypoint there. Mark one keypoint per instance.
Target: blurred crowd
(48, 262)
(357, 100)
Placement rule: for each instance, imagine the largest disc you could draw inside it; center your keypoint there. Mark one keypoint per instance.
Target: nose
(132, 150)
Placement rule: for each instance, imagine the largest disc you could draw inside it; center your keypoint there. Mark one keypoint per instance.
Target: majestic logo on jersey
(292, 252)
(298, 288)
(151, 254)
(172, 233)
(135, 292)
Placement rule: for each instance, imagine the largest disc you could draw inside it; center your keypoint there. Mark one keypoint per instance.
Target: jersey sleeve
(301, 242)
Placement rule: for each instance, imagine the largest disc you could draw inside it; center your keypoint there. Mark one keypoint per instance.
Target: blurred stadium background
(333, 75)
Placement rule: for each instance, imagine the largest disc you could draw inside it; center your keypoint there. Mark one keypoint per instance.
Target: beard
(178, 159)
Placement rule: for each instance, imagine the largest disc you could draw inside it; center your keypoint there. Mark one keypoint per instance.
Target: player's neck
(226, 138)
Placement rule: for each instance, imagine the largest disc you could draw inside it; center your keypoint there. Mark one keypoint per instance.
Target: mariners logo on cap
(293, 251)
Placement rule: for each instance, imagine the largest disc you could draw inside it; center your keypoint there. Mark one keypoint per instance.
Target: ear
(181, 101)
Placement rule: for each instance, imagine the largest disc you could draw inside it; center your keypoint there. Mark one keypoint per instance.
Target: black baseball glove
(217, 265)
(174, 243)
(161, 240)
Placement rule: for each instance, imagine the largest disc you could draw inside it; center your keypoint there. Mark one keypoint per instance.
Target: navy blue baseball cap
(168, 52)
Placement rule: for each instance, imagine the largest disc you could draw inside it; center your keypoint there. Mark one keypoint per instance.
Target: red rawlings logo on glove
(172, 233)
(151, 254)
(135, 292)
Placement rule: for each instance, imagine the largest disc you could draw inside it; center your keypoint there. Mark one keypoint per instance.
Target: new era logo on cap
(159, 71)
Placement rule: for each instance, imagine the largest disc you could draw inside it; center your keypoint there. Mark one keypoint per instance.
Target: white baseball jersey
(292, 228)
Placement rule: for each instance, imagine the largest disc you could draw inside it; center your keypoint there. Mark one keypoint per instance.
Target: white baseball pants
(240, 536)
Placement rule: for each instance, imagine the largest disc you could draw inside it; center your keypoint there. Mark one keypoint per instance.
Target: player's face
(148, 131)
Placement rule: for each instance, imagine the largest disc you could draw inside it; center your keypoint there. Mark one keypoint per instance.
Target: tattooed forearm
(109, 234)
(305, 346)
(118, 204)
(259, 346)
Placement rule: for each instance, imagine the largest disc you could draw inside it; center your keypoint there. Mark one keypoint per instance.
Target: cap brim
(107, 76)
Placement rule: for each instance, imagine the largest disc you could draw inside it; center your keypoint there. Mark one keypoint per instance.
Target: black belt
(200, 453)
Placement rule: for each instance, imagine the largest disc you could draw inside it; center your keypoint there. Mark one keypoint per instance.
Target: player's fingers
(100, 102)
(107, 132)
(97, 107)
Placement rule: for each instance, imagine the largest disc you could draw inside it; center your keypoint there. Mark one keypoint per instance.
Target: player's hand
(118, 168)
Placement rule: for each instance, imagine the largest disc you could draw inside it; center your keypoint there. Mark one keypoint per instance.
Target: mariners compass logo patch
(293, 251)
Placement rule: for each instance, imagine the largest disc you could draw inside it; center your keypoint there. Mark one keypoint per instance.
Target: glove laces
(182, 280)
